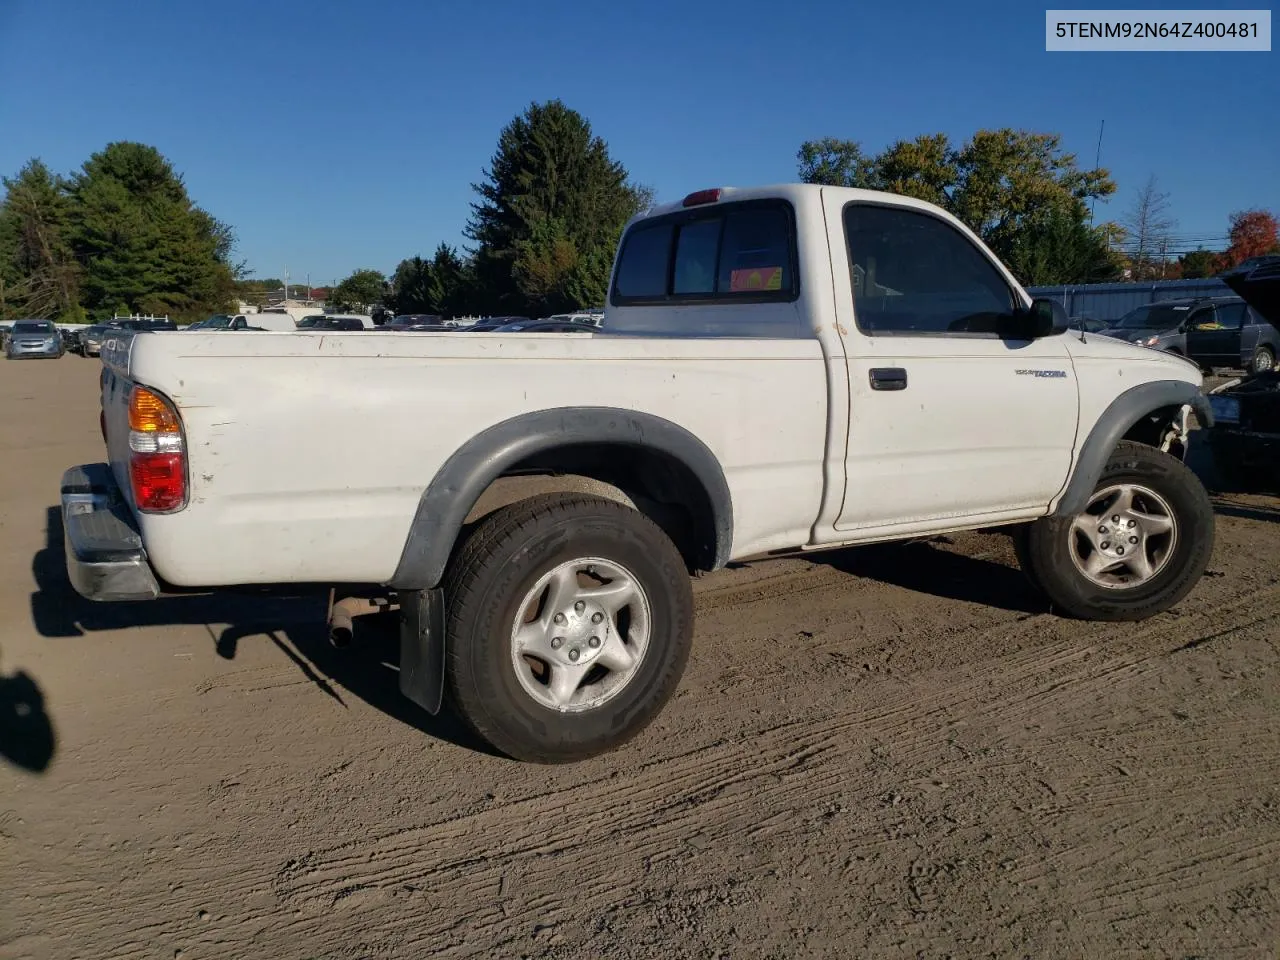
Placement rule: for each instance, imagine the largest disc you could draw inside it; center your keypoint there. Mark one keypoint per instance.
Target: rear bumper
(105, 556)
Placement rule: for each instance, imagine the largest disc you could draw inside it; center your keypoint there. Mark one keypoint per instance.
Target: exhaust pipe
(342, 613)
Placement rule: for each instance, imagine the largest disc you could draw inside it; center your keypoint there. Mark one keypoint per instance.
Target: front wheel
(1139, 546)
(569, 623)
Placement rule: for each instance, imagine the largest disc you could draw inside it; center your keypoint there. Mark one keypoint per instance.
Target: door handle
(888, 378)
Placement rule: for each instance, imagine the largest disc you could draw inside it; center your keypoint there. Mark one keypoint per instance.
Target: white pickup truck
(781, 369)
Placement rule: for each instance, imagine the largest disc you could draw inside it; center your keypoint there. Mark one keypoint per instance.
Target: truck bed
(308, 454)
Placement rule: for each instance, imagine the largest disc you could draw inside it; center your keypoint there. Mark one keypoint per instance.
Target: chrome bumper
(105, 556)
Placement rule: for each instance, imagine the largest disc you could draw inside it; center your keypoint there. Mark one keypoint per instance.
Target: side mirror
(1045, 317)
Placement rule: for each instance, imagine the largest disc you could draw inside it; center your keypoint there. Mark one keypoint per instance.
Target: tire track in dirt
(718, 794)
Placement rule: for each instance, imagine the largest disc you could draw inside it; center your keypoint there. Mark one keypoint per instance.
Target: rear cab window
(743, 252)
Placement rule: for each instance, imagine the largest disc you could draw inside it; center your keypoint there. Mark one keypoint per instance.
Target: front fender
(1117, 420)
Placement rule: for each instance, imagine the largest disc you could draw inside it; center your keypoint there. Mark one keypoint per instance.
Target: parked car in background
(547, 326)
(336, 321)
(89, 343)
(1088, 324)
(1245, 437)
(34, 338)
(1212, 331)
(278, 321)
(1162, 326)
(1231, 334)
(420, 319)
(397, 327)
(489, 324)
(586, 319)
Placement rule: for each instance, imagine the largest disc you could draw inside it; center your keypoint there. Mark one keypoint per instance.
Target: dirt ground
(887, 752)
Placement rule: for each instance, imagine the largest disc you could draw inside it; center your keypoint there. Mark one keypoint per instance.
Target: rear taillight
(157, 453)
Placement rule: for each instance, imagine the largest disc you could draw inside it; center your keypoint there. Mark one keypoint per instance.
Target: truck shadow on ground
(292, 620)
(929, 568)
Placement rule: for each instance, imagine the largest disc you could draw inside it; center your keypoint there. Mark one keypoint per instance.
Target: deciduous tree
(1148, 227)
(1018, 190)
(363, 288)
(1253, 233)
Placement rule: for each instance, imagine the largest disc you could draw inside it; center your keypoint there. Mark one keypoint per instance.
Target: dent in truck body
(465, 476)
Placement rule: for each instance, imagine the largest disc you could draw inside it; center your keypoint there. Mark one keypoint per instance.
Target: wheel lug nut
(1120, 551)
(1102, 529)
(1106, 544)
(574, 654)
(559, 618)
(1115, 519)
(1133, 539)
(579, 606)
(593, 642)
(597, 617)
(557, 643)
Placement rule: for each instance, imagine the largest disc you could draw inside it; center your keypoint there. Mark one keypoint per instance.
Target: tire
(513, 701)
(1055, 551)
(1263, 360)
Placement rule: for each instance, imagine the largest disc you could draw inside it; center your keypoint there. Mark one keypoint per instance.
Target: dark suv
(1212, 331)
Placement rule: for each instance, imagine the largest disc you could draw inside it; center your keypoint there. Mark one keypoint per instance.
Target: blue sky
(343, 135)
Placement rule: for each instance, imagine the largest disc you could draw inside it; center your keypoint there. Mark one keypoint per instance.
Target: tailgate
(115, 407)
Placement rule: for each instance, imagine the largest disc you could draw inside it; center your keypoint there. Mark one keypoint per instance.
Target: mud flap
(422, 647)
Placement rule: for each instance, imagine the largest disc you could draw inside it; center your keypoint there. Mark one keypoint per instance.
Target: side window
(1231, 316)
(915, 274)
(1203, 320)
(642, 268)
(238, 323)
(732, 253)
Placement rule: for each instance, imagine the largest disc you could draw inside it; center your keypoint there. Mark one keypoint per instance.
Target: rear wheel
(1264, 360)
(1137, 548)
(569, 622)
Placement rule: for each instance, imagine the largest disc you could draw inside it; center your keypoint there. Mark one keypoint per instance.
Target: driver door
(948, 422)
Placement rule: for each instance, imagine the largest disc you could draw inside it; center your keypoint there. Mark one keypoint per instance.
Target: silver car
(34, 338)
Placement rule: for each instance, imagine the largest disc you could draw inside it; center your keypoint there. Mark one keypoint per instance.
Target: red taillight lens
(157, 453)
(159, 481)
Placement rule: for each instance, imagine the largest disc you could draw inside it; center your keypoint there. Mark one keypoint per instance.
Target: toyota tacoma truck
(781, 369)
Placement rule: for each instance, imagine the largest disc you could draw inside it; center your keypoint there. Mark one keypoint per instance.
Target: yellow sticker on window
(755, 279)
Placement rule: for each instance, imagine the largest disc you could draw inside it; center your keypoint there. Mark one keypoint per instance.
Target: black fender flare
(455, 489)
(1119, 417)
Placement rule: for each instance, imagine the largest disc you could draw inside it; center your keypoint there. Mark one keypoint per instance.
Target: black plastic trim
(422, 646)
(1119, 417)
(465, 476)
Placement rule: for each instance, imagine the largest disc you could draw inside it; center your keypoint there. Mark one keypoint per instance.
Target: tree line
(1030, 201)
(548, 214)
(122, 235)
(119, 235)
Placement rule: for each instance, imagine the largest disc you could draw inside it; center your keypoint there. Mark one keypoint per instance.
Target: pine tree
(552, 207)
(39, 275)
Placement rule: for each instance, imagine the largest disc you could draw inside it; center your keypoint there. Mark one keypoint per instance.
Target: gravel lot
(888, 752)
